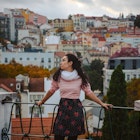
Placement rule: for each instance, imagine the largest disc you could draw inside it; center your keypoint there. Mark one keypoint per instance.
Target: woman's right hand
(39, 103)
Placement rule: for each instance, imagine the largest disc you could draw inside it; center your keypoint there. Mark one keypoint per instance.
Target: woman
(70, 79)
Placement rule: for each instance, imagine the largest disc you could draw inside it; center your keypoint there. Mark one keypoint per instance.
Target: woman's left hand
(107, 106)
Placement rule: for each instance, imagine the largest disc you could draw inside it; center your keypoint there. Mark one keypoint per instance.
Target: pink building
(37, 19)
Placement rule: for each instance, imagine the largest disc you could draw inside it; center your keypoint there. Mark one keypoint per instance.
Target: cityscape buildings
(32, 39)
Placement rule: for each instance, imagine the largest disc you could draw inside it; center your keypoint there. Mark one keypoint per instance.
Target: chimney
(26, 82)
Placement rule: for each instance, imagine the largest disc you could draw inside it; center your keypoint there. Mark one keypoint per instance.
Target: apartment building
(4, 26)
(33, 17)
(130, 67)
(40, 59)
(62, 25)
(17, 21)
(79, 21)
(133, 40)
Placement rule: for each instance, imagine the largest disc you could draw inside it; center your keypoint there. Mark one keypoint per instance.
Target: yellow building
(62, 25)
(25, 13)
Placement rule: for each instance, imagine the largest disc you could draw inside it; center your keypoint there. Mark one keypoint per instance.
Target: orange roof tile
(36, 85)
(5, 88)
(10, 83)
(35, 129)
(59, 54)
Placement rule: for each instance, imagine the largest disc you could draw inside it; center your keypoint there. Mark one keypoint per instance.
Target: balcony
(14, 127)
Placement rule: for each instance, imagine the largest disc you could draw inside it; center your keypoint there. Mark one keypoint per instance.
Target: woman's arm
(93, 97)
(53, 88)
(46, 97)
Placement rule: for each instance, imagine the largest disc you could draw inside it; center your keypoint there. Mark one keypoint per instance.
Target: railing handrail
(98, 106)
(48, 136)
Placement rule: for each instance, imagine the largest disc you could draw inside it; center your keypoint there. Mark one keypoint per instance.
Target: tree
(79, 55)
(3, 72)
(70, 17)
(95, 73)
(96, 76)
(3, 42)
(137, 21)
(37, 72)
(133, 93)
(97, 65)
(12, 69)
(115, 122)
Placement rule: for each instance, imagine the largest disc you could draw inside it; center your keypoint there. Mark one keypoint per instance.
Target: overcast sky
(63, 8)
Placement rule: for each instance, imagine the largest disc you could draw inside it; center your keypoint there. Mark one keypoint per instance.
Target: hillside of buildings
(29, 38)
(36, 44)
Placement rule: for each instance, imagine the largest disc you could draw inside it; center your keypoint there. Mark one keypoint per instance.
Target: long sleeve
(54, 86)
(87, 89)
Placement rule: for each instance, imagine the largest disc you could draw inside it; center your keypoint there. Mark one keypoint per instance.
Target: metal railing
(5, 131)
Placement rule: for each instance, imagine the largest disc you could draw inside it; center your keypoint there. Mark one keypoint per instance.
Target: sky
(63, 8)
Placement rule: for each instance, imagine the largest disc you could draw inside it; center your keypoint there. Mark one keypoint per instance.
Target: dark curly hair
(76, 65)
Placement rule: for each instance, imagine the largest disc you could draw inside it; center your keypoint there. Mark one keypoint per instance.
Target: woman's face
(65, 65)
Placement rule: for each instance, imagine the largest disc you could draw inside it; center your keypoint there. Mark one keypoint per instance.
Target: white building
(22, 33)
(41, 59)
(17, 21)
(52, 43)
(30, 96)
(5, 110)
(79, 21)
(133, 40)
(130, 67)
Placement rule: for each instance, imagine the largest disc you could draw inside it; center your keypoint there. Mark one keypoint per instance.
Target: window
(134, 64)
(128, 77)
(108, 80)
(112, 64)
(18, 86)
(36, 111)
(49, 60)
(42, 60)
(123, 64)
(33, 98)
(6, 60)
(35, 19)
(134, 76)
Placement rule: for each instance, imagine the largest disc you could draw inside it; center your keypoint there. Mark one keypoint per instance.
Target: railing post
(5, 113)
(137, 105)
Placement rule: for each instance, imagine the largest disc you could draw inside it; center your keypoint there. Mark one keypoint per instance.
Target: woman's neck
(69, 70)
